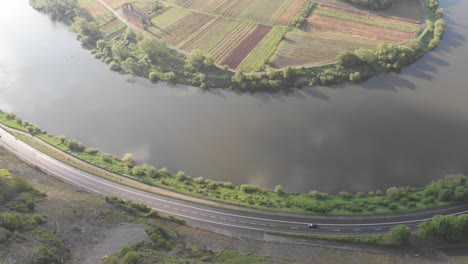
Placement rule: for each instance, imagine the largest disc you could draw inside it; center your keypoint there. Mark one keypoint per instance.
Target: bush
(74, 145)
(250, 188)
(400, 234)
(91, 151)
(45, 256)
(131, 258)
(345, 195)
(279, 190)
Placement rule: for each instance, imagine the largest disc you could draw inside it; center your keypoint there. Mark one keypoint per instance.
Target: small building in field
(135, 15)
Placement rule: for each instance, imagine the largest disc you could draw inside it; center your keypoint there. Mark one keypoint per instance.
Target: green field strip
(209, 36)
(115, 28)
(264, 50)
(232, 44)
(196, 34)
(311, 49)
(232, 40)
(260, 10)
(169, 17)
(340, 37)
(212, 39)
(280, 11)
(366, 20)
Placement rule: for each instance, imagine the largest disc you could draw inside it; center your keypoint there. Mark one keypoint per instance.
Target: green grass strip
(364, 20)
(262, 53)
(169, 17)
(379, 240)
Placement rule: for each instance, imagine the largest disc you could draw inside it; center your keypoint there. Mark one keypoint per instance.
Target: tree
(400, 233)
(120, 51)
(153, 49)
(197, 61)
(88, 32)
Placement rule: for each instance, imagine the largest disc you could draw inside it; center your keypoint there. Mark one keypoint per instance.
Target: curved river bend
(394, 129)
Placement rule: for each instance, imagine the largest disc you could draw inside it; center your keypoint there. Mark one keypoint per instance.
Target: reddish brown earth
(245, 47)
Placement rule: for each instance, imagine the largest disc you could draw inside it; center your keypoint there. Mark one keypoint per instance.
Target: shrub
(345, 195)
(74, 145)
(400, 234)
(250, 188)
(279, 190)
(131, 258)
(91, 151)
(128, 160)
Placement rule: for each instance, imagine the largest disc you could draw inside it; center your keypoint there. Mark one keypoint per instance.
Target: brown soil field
(245, 47)
(331, 24)
(185, 26)
(95, 8)
(290, 12)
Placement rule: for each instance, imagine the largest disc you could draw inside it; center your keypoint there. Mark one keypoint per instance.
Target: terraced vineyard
(254, 35)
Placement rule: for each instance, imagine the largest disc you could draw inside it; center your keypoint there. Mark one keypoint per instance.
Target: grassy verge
(379, 240)
(365, 20)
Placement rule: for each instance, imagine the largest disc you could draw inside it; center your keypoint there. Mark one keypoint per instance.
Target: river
(395, 129)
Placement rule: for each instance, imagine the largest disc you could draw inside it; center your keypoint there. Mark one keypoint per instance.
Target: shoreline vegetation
(446, 191)
(143, 55)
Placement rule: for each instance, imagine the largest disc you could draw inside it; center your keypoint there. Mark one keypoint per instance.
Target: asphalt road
(237, 222)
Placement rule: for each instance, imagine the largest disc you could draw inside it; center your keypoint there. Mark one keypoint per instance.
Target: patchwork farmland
(255, 35)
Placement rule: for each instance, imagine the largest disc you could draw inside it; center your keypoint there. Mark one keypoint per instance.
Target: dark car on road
(314, 226)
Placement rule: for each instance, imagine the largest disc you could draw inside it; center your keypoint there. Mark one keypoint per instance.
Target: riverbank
(395, 199)
(143, 55)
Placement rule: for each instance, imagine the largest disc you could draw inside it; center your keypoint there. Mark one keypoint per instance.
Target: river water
(404, 129)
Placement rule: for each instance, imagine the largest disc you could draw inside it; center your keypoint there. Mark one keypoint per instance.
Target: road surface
(235, 222)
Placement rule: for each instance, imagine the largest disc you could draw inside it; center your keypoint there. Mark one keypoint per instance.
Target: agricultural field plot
(238, 54)
(368, 18)
(257, 10)
(113, 27)
(315, 48)
(219, 37)
(261, 10)
(94, 8)
(184, 27)
(116, 4)
(293, 7)
(259, 57)
(169, 17)
(352, 28)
